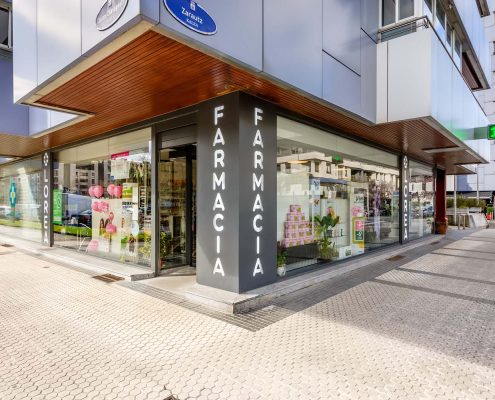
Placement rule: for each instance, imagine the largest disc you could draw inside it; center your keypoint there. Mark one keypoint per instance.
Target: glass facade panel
(422, 194)
(336, 198)
(102, 198)
(4, 26)
(406, 8)
(20, 199)
(388, 12)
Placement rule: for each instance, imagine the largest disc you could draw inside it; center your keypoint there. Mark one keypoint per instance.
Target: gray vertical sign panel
(46, 199)
(236, 197)
(405, 199)
(257, 193)
(218, 193)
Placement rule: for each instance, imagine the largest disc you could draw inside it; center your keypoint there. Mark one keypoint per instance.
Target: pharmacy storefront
(234, 187)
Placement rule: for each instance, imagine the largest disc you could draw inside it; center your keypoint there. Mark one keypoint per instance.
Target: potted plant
(145, 249)
(281, 263)
(166, 242)
(323, 225)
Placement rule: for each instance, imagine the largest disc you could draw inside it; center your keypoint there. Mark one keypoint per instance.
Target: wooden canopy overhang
(154, 75)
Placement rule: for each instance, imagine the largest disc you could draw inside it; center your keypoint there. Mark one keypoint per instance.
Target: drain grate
(396, 258)
(434, 243)
(108, 278)
(7, 245)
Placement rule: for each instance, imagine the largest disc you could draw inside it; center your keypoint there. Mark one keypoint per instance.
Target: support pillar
(237, 193)
(441, 222)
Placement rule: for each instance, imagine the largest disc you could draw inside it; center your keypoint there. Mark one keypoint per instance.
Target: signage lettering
(405, 193)
(193, 16)
(258, 188)
(46, 199)
(110, 13)
(218, 184)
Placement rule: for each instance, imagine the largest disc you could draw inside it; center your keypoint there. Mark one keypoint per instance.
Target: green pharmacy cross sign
(491, 132)
(12, 195)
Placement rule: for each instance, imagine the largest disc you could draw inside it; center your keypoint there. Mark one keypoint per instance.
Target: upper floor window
(5, 27)
(395, 10)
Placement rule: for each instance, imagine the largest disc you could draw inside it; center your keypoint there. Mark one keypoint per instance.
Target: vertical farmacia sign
(46, 188)
(405, 199)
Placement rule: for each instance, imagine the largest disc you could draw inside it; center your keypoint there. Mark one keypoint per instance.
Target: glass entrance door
(177, 191)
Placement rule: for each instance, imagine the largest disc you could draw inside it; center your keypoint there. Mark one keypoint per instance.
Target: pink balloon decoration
(95, 206)
(98, 191)
(117, 191)
(111, 228)
(91, 191)
(93, 246)
(111, 216)
(110, 189)
(104, 206)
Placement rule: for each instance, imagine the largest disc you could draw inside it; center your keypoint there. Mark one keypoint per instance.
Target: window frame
(397, 14)
(7, 8)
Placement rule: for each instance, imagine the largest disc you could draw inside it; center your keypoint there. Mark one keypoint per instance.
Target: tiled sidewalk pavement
(418, 328)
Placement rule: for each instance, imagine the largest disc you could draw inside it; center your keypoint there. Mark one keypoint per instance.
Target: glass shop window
(336, 198)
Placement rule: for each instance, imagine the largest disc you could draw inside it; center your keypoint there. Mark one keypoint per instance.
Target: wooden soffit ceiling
(154, 75)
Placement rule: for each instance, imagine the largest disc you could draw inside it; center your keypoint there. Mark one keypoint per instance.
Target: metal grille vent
(396, 258)
(108, 278)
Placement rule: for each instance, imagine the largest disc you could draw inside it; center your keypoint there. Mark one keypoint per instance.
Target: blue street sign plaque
(192, 15)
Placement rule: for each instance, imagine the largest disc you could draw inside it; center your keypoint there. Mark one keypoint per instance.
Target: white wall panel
(239, 28)
(59, 35)
(92, 36)
(342, 31)
(25, 54)
(409, 76)
(368, 77)
(292, 48)
(341, 86)
(441, 84)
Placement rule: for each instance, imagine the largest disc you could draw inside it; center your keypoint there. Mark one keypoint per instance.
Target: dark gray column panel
(405, 199)
(218, 193)
(257, 193)
(236, 198)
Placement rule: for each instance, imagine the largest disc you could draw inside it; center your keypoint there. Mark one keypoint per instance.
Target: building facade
(238, 136)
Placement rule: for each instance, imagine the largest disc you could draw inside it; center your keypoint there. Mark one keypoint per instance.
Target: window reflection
(102, 198)
(336, 198)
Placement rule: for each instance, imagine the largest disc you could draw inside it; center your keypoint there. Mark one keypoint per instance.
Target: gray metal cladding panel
(293, 42)
(341, 86)
(257, 204)
(370, 17)
(239, 28)
(13, 117)
(342, 31)
(368, 77)
(91, 36)
(59, 35)
(226, 250)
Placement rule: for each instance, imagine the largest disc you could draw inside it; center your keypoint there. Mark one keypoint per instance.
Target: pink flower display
(98, 191)
(117, 191)
(111, 216)
(95, 206)
(104, 206)
(111, 229)
(110, 189)
(91, 191)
